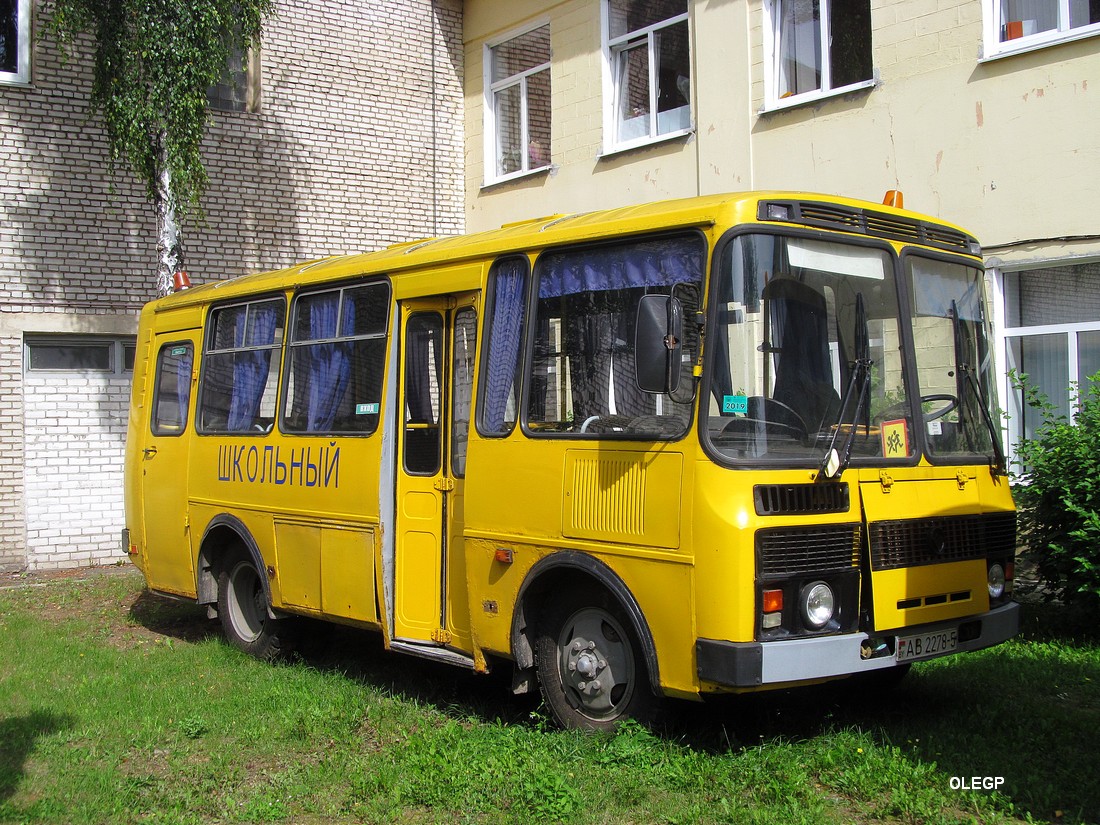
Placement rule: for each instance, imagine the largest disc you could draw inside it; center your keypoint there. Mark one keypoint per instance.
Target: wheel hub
(596, 663)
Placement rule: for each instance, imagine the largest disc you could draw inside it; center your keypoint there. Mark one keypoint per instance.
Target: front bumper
(751, 664)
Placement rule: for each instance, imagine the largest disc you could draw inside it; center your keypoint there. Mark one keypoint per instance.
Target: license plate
(927, 644)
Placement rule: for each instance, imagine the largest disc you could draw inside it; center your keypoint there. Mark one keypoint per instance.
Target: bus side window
(583, 376)
(462, 379)
(239, 386)
(505, 322)
(173, 389)
(423, 391)
(337, 361)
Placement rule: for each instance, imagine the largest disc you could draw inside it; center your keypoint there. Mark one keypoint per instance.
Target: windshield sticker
(895, 439)
(732, 404)
(366, 409)
(935, 428)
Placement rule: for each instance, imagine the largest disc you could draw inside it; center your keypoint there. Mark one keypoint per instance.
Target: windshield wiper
(834, 463)
(970, 379)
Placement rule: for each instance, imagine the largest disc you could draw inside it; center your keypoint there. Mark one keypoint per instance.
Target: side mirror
(658, 342)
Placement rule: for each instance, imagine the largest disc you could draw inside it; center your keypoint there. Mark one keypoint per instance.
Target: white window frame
(994, 48)
(1005, 336)
(612, 47)
(22, 74)
(491, 90)
(773, 54)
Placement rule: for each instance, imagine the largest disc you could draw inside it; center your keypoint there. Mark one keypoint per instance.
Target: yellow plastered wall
(1007, 147)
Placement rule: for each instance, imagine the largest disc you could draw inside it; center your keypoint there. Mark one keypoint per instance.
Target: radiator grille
(800, 499)
(915, 542)
(788, 551)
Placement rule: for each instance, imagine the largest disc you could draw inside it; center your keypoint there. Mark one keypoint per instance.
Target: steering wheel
(951, 402)
(590, 420)
(793, 419)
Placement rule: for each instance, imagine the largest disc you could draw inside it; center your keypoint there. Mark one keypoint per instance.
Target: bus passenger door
(164, 477)
(435, 392)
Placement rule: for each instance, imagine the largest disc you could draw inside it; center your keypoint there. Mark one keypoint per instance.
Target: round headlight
(817, 604)
(996, 581)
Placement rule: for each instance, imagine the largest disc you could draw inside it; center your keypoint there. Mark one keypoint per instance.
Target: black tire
(243, 611)
(591, 668)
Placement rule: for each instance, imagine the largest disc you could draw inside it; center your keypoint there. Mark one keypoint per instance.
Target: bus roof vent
(800, 499)
(867, 221)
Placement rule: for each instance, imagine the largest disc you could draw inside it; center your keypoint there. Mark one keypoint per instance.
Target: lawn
(117, 706)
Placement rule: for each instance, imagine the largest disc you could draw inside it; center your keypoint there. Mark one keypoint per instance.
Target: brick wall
(74, 434)
(357, 144)
(13, 532)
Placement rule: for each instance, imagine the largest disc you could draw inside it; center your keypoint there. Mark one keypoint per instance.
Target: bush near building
(1059, 494)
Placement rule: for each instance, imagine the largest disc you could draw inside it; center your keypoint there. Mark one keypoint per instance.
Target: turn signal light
(773, 601)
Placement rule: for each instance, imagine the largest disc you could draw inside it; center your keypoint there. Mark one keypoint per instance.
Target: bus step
(429, 651)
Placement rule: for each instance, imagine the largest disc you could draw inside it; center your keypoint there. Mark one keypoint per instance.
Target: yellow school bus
(718, 444)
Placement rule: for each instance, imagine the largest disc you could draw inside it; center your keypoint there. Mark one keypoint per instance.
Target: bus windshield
(954, 360)
(807, 354)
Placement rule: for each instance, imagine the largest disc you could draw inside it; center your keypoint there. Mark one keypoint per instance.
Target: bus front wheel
(242, 608)
(590, 666)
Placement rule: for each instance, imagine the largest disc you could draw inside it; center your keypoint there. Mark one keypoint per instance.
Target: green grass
(116, 706)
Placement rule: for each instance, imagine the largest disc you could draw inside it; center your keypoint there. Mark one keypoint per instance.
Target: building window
(1052, 335)
(648, 58)
(1020, 25)
(78, 354)
(239, 88)
(15, 41)
(518, 104)
(816, 48)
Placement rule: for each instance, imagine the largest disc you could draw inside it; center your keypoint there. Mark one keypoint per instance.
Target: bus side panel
(311, 506)
(525, 504)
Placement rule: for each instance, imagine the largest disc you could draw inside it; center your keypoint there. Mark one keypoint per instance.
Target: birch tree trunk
(169, 247)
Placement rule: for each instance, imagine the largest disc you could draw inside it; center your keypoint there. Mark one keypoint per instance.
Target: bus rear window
(173, 389)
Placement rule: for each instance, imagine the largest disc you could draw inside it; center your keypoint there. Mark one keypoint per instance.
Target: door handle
(149, 452)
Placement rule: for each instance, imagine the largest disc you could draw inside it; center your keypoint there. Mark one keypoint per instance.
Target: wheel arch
(568, 568)
(223, 533)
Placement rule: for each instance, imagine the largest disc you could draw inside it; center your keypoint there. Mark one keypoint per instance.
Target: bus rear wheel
(243, 610)
(591, 671)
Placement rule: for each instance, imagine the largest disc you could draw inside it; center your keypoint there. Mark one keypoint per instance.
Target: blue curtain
(329, 364)
(660, 263)
(250, 369)
(505, 334)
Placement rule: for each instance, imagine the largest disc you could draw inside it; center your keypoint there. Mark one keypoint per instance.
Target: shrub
(1059, 494)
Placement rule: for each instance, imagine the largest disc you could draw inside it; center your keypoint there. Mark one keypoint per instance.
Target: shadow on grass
(18, 736)
(1028, 712)
(180, 620)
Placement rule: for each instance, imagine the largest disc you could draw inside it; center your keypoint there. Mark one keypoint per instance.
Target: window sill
(1037, 42)
(16, 80)
(810, 98)
(542, 171)
(642, 143)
